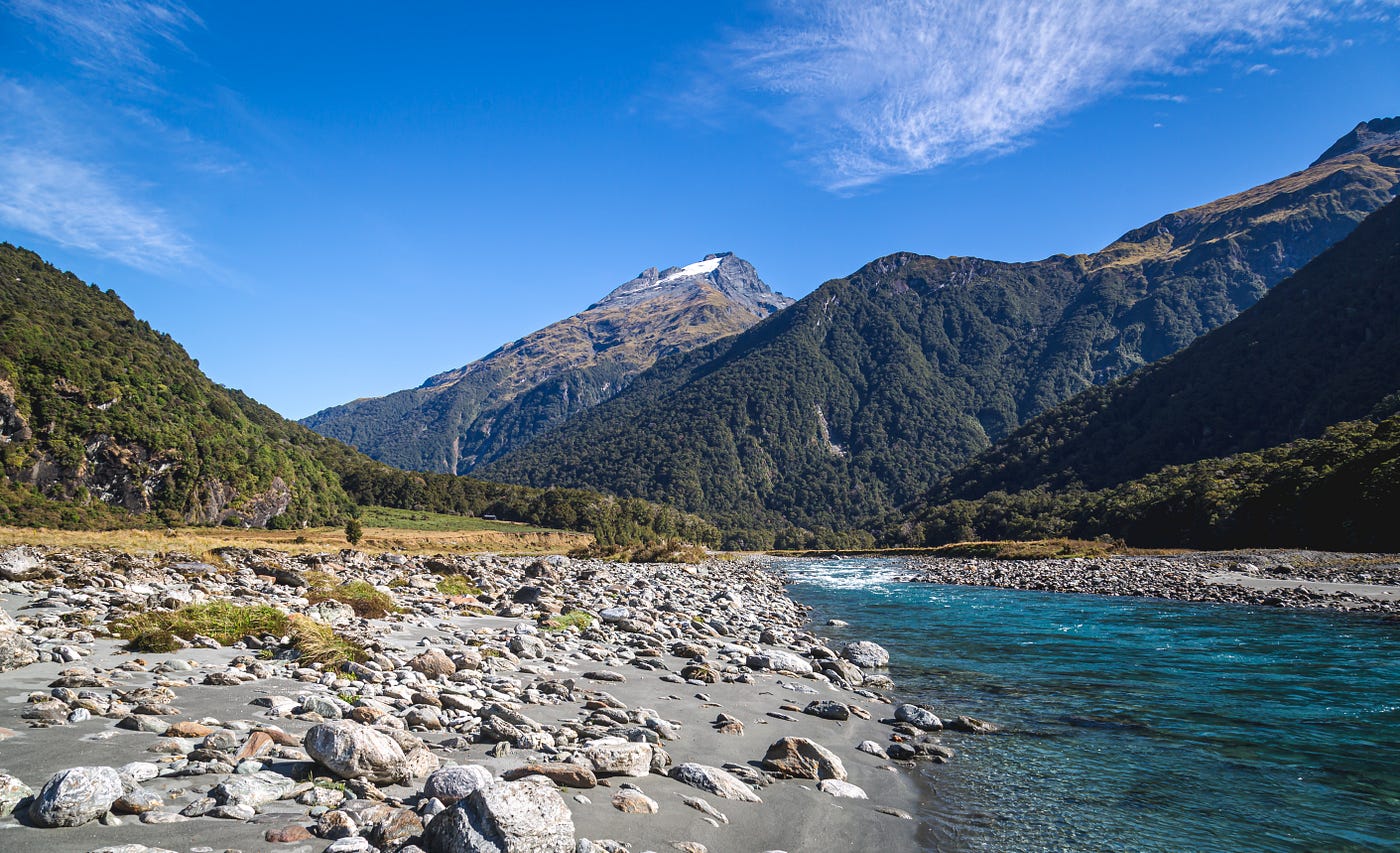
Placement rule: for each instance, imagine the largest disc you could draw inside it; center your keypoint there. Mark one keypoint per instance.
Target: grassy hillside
(105, 422)
(867, 392)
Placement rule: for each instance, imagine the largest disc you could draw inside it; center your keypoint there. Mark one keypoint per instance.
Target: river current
(1136, 724)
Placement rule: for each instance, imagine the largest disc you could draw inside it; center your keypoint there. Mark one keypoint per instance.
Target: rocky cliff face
(463, 418)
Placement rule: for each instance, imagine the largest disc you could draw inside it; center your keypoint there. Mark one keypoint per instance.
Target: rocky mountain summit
(466, 417)
(453, 703)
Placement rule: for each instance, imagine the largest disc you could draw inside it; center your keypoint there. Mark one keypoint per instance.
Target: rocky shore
(509, 704)
(1310, 579)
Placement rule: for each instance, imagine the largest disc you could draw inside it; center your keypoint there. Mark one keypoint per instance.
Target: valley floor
(695, 712)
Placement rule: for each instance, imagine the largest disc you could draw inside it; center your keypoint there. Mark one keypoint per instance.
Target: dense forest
(1337, 491)
(1234, 441)
(870, 390)
(106, 422)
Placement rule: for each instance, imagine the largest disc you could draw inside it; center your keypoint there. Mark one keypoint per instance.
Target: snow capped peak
(704, 267)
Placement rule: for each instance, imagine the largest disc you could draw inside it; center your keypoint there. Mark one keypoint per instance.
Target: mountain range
(864, 394)
(463, 418)
(1280, 428)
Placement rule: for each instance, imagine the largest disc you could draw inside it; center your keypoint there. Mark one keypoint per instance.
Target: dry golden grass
(203, 540)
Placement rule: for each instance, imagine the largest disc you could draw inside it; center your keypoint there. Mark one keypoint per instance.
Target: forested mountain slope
(865, 393)
(1322, 347)
(1279, 428)
(463, 418)
(105, 421)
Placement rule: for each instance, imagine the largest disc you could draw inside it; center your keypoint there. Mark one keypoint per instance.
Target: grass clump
(458, 585)
(317, 642)
(579, 619)
(221, 620)
(368, 601)
(161, 631)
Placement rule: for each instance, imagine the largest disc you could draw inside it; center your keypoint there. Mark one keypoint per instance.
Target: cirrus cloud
(872, 90)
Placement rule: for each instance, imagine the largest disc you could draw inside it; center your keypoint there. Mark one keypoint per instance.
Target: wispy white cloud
(111, 37)
(59, 180)
(75, 205)
(872, 90)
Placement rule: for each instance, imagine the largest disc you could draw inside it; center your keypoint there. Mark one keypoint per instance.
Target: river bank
(568, 704)
(1278, 578)
(1137, 723)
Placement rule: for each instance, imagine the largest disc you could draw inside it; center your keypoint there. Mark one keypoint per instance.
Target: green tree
(354, 532)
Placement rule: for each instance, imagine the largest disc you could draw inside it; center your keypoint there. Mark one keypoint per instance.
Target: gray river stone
(719, 782)
(916, 716)
(75, 796)
(505, 817)
(354, 751)
(865, 654)
(451, 784)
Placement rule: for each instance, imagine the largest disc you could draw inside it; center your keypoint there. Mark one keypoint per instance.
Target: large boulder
(451, 784)
(719, 782)
(618, 757)
(20, 564)
(916, 715)
(504, 817)
(12, 793)
(354, 751)
(75, 796)
(779, 660)
(15, 650)
(252, 789)
(865, 654)
(433, 663)
(800, 758)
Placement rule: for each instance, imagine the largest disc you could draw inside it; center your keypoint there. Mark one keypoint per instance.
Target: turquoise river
(1136, 724)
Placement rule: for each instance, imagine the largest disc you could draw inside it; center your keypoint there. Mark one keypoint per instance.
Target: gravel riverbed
(689, 708)
(1311, 579)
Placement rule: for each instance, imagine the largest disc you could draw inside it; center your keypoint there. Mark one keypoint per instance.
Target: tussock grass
(579, 619)
(404, 519)
(317, 642)
(457, 585)
(365, 599)
(221, 620)
(506, 538)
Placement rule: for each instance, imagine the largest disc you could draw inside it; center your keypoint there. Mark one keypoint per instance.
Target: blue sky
(330, 200)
